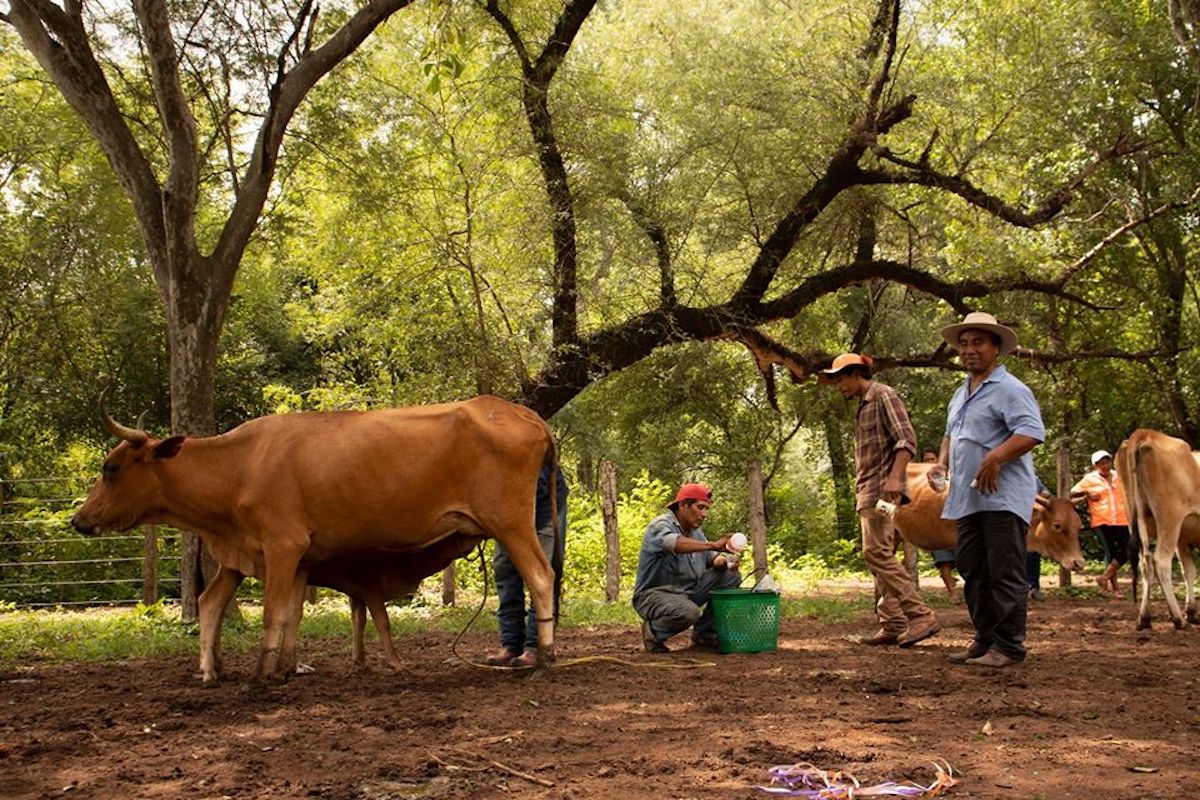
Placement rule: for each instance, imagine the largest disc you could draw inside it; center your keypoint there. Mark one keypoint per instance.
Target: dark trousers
(672, 609)
(991, 559)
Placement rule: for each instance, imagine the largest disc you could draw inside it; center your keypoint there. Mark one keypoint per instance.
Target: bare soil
(1098, 711)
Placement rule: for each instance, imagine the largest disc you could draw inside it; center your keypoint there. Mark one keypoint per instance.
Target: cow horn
(134, 436)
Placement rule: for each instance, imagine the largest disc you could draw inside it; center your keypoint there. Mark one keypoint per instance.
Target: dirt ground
(1098, 711)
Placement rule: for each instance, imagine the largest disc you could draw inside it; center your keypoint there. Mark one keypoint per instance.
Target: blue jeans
(518, 628)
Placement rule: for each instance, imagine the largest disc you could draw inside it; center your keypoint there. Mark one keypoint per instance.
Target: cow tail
(558, 551)
(1132, 500)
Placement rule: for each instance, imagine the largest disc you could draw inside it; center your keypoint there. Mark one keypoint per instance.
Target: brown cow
(1161, 476)
(369, 580)
(279, 494)
(1053, 529)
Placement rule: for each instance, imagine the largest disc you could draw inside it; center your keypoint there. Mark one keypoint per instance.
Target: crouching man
(678, 568)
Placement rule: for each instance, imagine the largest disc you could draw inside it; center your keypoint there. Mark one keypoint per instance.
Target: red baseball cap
(691, 491)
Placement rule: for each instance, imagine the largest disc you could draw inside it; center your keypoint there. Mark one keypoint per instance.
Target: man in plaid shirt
(884, 443)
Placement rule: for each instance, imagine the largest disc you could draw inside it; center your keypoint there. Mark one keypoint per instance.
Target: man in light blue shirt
(992, 424)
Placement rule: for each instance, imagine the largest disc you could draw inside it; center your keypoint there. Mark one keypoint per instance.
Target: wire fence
(44, 562)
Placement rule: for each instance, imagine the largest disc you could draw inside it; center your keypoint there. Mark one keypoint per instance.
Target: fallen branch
(491, 763)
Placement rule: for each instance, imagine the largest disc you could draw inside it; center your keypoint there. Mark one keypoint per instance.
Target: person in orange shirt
(1106, 506)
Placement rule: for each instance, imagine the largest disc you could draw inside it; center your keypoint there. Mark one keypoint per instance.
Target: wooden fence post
(150, 565)
(758, 518)
(448, 585)
(612, 535)
(1062, 463)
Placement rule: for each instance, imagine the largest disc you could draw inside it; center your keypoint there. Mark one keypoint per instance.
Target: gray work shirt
(660, 565)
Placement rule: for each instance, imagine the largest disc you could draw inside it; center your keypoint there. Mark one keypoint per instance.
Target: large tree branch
(535, 99)
(58, 40)
(175, 115)
(615, 348)
(842, 170)
(920, 173)
(1074, 268)
(286, 95)
(662, 248)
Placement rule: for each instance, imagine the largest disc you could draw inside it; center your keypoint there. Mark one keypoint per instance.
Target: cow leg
(211, 608)
(358, 625)
(1163, 558)
(291, 626)
(529, 559)
(383, 625)
(1189, 583)
(277, 609)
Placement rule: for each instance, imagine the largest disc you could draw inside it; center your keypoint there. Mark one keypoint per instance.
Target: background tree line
(628, 215)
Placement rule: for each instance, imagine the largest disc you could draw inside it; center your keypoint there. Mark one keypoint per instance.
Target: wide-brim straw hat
(983, 321)
(844, 361)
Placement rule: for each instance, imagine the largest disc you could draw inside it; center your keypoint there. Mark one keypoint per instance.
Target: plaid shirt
(881, 428)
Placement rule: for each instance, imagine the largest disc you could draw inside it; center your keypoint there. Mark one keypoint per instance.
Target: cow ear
(167, 448)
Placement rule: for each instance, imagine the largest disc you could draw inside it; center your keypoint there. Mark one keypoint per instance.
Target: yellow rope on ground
(682, 663)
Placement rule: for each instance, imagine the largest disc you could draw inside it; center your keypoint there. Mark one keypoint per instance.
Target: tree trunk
(758, 518)
(843, 482)
(1062, 464)
(195, 313)
(612, 536)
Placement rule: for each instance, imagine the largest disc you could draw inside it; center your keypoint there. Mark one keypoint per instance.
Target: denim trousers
(518, 626)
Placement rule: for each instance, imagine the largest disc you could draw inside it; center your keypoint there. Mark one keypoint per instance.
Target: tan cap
(844, 361)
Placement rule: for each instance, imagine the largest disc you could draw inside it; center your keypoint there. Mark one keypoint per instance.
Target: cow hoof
(1193, 616)
(1180, 624)
(1143, 624)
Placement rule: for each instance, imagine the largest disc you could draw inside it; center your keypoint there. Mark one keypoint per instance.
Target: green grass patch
(110, 634)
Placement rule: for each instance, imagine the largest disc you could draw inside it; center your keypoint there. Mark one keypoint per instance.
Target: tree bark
(758, 518)
(612, 535)
(843, 482)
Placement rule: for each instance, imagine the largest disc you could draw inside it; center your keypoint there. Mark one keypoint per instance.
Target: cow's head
(1055, 527)
(129, 488)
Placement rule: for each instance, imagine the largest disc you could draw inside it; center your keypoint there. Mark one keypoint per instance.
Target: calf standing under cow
(1053, 530)
(369, 580)
(280, 494)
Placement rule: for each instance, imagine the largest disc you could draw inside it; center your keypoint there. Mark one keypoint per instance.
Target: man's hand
(722, 545)
(936, 477)
(987, 479)
(891, 489)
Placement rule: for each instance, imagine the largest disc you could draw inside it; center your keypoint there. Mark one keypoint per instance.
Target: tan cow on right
(1161, 477)
(1053, 529)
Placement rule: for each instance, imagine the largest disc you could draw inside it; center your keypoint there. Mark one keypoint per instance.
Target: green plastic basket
(746, 621)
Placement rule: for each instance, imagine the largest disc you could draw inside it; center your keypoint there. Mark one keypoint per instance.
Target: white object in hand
(887, 508)
(938, 481)
(737, 542)
(732, 560)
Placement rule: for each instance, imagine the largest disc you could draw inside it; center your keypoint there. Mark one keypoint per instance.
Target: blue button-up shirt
(660, 565)
(978, 423)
